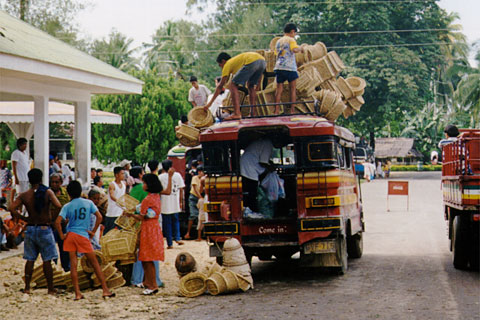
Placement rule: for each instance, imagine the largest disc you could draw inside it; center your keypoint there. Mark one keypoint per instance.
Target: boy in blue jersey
(78, 212)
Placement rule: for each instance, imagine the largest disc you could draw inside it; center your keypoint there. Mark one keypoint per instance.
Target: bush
(426, 167)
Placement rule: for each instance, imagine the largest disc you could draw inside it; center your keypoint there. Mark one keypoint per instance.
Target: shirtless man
(39, 237)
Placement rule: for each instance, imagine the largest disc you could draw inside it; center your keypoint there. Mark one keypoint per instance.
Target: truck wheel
(460, 243)
(343, 256)
(355, 246)
(475, 254)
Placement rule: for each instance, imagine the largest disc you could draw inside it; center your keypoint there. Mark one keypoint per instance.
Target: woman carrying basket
(151, 237)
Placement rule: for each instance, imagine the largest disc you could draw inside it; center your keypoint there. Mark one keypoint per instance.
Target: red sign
(398, 188)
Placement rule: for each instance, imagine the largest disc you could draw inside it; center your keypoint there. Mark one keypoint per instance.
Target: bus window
(348, 158)
(321, 151)
(218, 158)
(284, 155)
(340, 156)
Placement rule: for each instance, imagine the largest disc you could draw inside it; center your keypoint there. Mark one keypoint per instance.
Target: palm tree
(115, 51)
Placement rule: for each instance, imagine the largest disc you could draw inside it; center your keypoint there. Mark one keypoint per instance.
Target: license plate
(326, 246)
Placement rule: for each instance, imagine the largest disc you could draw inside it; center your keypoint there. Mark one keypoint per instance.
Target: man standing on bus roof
(247, 68)
(198, 93)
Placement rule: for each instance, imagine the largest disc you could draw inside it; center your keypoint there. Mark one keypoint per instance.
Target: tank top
(114, 210)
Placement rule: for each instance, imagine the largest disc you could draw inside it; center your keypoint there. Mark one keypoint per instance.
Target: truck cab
(319, 216)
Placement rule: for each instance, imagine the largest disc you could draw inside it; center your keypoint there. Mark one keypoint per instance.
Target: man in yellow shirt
(247, 68)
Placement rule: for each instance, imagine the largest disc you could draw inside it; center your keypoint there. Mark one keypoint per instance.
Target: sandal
(140, 285)
(76, 299)
(149, 292)
(109, 296)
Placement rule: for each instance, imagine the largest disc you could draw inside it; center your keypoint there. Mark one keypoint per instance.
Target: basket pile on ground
(193, 284)
(86, 276)
(198, 118)
(234, 259)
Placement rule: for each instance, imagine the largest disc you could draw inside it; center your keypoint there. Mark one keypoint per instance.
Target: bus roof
(298, 125)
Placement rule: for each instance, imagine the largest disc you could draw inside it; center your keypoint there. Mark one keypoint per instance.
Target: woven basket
(228, 102)
(231, 280)
(86, 265)
(193, 285)
(58, 279)
(128, 204)
(185, 263)
(211, 269)
(317, 51)
(243, 283)
(358, 85)
(324, 68)
(336, 110)
(329, 98)
(216, 284)
(348, 112)
(336, 62)
(273, 43)
(271, 60)
(123, 244)
(231, 244)
(200, 118)
(188, 136)
(344, 88)
(130, 260)
(108, 270)
(308, 79)
(116, 281)
(83, 281)
(37, 273)
(356, 102)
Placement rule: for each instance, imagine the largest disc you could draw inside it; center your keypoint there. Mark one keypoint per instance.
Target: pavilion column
(41, 135)
(82, 141)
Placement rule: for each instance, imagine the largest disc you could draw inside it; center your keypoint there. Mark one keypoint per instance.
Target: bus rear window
(321, 151)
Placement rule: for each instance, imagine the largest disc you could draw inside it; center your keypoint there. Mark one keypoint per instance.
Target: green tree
(148, 120)
(116, 51)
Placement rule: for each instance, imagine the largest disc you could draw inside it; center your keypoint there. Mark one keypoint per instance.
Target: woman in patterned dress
(151, 237)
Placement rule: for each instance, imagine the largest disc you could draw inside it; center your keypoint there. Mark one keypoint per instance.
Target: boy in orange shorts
(78, 212)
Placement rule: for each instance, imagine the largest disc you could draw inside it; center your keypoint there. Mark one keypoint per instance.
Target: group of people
(247, 69)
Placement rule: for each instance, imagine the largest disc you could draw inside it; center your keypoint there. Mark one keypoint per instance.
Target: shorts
(192, 204)
(250, 73)
(39, 240)
(77, 243)
(285, 75)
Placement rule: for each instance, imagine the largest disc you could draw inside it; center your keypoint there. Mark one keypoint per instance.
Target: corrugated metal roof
(21, 39)
(396, 148)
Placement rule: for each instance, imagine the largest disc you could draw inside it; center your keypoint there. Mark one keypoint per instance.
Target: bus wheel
(475, 254)
(355, 246)
(343, 255)
(460, 243)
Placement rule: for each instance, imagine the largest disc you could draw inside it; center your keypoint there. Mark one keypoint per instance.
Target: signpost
(398, 188)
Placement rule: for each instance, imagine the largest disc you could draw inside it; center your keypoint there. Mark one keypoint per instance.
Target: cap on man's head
(193, 78)
(124, 163)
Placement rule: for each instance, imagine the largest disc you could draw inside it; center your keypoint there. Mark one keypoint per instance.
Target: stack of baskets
(226, 281)
(234, 259)
(193, 284)
(198, 118)
(86, 276)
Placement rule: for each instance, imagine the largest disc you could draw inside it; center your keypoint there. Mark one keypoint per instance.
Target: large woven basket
(348, 112)
(216, 284)
(270, 59)
(83, 281)
(317, 51)
(356, 102)
(324, 68)
(108, 270)
(87, 266)
(58, 279)
(128, 204)
(231, 280)
(193, 284)
(336, 62)
(188, 136)
(357, 84)
(273, 43)
(200, 118)
(243, 283)
(344, 88)
(336, 110)
(116, 281)
(308, 79)
(210, 269)
(116, 248)
(329, 98)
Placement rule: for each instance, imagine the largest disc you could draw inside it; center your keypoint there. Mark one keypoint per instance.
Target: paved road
(405, 272)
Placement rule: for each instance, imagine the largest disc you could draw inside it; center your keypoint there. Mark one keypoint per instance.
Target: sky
(140, 18)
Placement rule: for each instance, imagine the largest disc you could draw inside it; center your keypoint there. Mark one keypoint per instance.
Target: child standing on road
(286, 65)
(78, 213)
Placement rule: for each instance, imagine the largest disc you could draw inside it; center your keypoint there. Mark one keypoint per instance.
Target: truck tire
(460, 243)
(355, 246)
(475, 254)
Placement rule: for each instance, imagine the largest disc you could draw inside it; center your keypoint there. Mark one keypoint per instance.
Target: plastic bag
(265, 205)
(273, 186)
